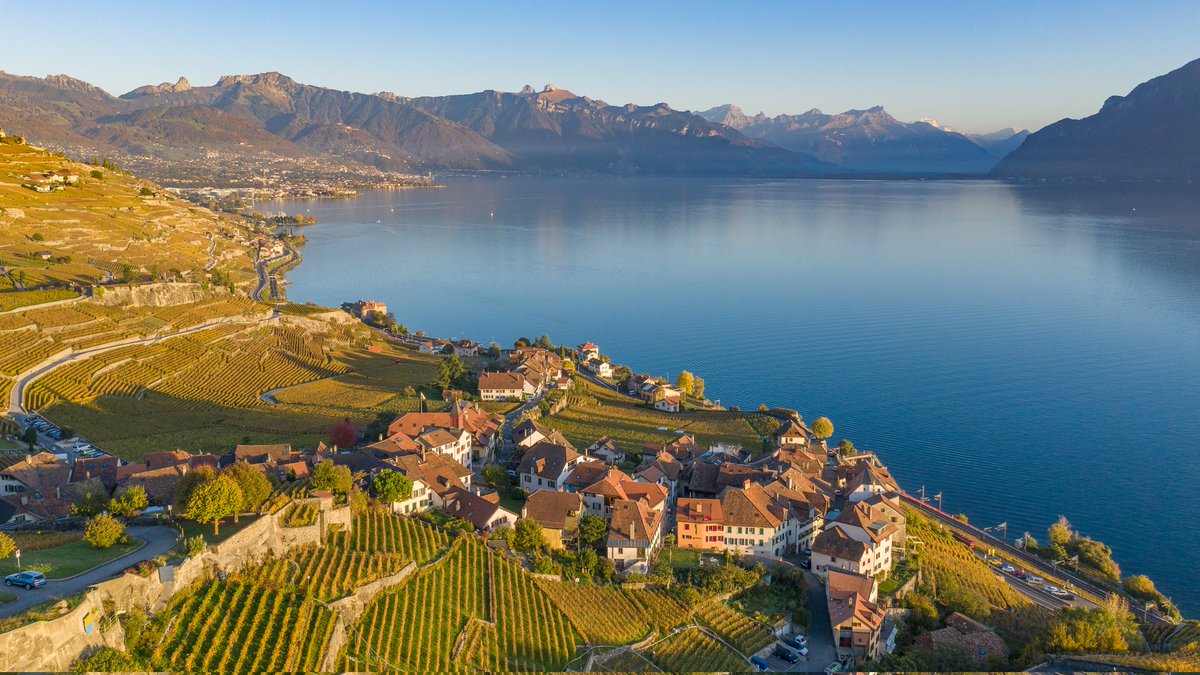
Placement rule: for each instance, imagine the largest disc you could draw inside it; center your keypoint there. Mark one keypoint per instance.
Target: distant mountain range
(872, 141)
(1150, 134)
(271, 115)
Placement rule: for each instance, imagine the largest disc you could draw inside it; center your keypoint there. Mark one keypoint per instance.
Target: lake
(1027, 351)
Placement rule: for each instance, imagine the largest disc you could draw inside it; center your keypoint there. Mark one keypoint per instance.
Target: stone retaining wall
(54, 645)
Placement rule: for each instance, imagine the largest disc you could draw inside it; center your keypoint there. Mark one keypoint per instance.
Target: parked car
(795, 642)
(785, 654)
(30, 580)
(760, 664)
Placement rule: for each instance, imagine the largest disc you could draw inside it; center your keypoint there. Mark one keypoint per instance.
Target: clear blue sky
(977, 66)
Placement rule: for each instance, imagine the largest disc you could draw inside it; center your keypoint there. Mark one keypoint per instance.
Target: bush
(104, 531)
(193, 546)
(107, 660)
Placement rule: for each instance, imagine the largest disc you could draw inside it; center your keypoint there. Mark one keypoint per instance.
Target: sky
(973, 65)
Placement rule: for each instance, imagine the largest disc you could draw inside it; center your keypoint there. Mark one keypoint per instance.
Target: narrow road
(821, 650)
(158, 540)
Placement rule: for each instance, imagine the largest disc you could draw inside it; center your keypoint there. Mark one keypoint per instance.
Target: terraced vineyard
(326, 573)
(944, 560)
(377, 531)
(693, 651)
(467, 612)
(744, 633)
(242, 627)
(601, 615)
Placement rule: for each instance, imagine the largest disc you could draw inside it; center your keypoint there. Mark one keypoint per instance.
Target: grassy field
(104, 224)
(227, 529)
(69, 556)
(631, 425)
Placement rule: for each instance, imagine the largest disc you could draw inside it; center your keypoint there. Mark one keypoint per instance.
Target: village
(797, 501)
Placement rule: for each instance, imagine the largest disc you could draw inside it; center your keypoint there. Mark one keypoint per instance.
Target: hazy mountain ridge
(1148, 134)
(272, 114)
(865, 141)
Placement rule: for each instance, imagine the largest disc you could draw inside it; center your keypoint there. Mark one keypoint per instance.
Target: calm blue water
(1027, 351)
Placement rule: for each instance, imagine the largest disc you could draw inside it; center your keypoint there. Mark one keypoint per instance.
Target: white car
(1052, 590)
(1035, 580)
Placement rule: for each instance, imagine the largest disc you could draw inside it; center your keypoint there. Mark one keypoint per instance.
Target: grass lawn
(685, 559)
(68, 559)
(632, 425)
(512, 503)
(227, 529)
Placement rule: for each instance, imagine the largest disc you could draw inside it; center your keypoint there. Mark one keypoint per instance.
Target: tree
(450, 370)
(822, 428)
(343, 434)
(30, 437)
(213, 500)
(330, 477)
(448, 349)
(529, 537)
(588, 560)
(1060, 532)
(254, 484)
(493, 351)
(128, 273)
(686, 382)
(521, 342)
(607, 568)
(379, 426)
(698, 387)
(495, 476)
(103, 531)
(128, 502)
(108, 660)
(544, 342)
(391, 486)
(592, 529)
(89, 504)
(188, 484)
(845, 448)
(7, 546)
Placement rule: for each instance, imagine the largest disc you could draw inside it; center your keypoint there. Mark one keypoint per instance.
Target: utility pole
(922, 491)
(938, 497)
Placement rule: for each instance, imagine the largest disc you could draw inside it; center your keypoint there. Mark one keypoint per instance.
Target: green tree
(521, 342)
(544, 342)
(588, 560)
(686, 382)
(822, 428)
(332, 478)
(607, 568)
(845, 448)
(493, 351)
(7, 546)
(450, 370)
(698, 387)
(391, 486)
(189, 483)
(194, 546)
(128, 502)
(128, 273)
(528, 537)
(495, 476)
(103, 531)
(30, 437)
(213, 500)
(592, 530)
(254, 484)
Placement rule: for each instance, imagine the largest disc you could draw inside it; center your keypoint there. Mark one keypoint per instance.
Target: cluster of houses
(268, 247)
(49, 181)
(591, 360)
(532, 370)
(656, 392)
(799, 498)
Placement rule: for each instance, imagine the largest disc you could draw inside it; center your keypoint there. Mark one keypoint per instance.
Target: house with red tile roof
(484, 513)
(558, 513)
(635, 534)
(855, 615)
(505, 387)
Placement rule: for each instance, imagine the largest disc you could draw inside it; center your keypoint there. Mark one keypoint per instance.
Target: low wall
(352, 606)
(54, 645)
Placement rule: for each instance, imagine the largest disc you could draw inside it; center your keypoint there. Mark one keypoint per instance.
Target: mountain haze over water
(1148, 134)
(867, 141)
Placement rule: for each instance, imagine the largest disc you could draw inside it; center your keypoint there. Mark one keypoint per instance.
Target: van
(760, 664)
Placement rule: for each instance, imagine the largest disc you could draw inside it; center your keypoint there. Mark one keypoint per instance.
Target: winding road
(158, 540)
